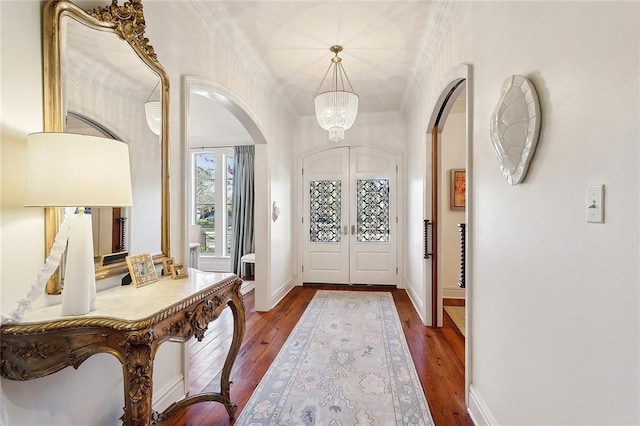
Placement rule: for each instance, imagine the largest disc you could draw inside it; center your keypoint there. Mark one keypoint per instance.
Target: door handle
(353, 229)
(426, 224)
(345, 229)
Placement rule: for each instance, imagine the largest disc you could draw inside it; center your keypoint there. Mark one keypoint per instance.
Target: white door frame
(437, 119)
(400, 205)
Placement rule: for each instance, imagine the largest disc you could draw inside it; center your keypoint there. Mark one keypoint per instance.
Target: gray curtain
(242, 211)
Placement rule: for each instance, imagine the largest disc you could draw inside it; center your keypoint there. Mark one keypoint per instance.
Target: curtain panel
(242, 210)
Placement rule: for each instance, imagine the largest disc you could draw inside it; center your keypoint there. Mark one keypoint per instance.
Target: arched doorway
(446, 203)
(228, 123)
(456, 86)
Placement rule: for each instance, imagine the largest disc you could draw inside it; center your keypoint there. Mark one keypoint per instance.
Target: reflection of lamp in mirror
(66, 170)
(153, 112)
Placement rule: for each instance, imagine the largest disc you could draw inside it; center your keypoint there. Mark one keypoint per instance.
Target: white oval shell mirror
(514, 127)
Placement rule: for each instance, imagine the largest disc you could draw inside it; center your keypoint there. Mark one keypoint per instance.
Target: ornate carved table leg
(234, 301)
(138, 373)
(237, 307)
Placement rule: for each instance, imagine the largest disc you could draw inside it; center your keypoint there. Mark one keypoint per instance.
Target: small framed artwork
(458, 185)
(167, 266)
(141, 269)
(179, 271)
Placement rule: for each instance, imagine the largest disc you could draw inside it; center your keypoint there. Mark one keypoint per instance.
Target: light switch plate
(595, 204)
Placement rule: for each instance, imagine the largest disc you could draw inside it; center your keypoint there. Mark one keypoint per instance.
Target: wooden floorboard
(453, 302)
(437, 353)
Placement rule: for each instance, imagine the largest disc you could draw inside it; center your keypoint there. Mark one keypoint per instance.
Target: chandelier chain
(345, 76)
(323, 78)
(153, 91)
(338, 71)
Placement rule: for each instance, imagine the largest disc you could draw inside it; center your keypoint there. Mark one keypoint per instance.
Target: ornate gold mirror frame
(127, 22)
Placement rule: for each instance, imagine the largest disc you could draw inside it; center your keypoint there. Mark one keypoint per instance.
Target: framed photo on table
(458, 186)
(167, 266)
(179, 271)
(141, 269)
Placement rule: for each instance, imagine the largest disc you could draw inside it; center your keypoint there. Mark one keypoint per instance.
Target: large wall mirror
(99, 73)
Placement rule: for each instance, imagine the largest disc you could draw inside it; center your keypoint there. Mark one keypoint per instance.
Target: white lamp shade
(336, 112)
(153, 112)
(65, 169)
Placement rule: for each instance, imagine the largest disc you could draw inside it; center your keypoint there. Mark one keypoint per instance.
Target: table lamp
(69, 170)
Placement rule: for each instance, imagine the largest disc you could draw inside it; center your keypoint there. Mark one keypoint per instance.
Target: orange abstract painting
(458, 189)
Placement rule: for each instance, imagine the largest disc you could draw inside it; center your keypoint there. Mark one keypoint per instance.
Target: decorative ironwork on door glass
(325, 211)
(372, 202)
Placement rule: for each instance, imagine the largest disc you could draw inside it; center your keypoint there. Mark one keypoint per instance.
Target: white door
(349, 217)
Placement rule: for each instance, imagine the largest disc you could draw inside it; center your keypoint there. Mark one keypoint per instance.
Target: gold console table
(129, 323)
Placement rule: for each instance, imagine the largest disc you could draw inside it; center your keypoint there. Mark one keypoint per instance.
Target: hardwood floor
(437, 353)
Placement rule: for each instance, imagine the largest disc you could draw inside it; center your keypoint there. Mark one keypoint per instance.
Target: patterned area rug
(345, 363)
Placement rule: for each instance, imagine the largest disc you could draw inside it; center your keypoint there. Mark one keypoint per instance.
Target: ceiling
(289, 42)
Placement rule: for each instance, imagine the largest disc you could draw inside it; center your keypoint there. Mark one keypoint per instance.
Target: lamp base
(79, 294)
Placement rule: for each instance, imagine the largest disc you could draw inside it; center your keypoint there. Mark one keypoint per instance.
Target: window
(372, 210)
(229, 200)
(212, 193)
(325, 211)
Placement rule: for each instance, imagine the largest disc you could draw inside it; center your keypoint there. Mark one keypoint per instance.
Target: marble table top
(131, 303)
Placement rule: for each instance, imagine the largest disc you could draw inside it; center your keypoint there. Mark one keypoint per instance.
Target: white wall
(554, 300)
(206, 50)
(372, 130)
(184, 44)
(453, 151)
(21, 103)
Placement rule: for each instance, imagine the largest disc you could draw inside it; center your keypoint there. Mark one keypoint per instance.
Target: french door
(349, 217)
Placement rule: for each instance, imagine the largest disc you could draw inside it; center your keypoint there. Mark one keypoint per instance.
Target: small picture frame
(458, 186)
(141, 269)
(167, 266)
(178, 271)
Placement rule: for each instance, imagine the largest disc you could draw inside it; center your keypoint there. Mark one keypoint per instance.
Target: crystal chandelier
(336, 108)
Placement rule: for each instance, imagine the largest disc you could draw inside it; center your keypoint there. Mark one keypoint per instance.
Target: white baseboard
(417, 303)
(478, 409)
(454, 293)
(402, 284)
(170, 393)
(247, 286)
(282, 291)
